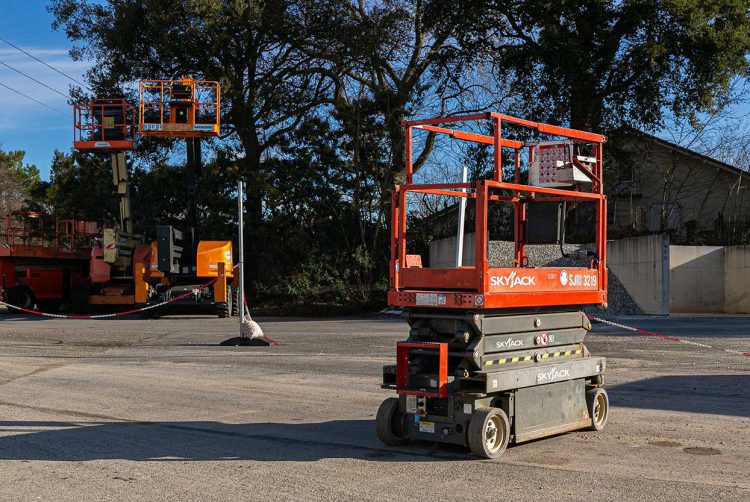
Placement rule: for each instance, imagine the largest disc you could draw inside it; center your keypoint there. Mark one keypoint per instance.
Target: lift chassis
(496, 355)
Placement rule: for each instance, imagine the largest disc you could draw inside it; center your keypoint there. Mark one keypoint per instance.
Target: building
(655, 185)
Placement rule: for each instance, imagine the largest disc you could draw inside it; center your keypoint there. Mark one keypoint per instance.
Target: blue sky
(25, 125)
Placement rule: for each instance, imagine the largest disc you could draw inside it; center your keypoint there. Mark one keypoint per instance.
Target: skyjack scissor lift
(496, 354)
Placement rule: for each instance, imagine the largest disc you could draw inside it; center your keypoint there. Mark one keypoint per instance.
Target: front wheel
(488, 432)
(390, 423)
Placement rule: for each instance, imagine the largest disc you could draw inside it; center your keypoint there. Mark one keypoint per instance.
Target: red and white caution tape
(117, 314)
(669, 338)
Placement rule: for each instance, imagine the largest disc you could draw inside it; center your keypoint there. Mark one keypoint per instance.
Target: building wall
(700, 190)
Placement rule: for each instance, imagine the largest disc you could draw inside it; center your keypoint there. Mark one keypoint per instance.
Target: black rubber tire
(21, 297)
(389, 423)
(235, 300)
(479, 426)
(222, 310)
(597, 402)
(230, 301)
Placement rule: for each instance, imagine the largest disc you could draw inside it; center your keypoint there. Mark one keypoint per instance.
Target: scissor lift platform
(496, 355)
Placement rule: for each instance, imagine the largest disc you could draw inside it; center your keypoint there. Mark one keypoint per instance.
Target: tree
(266, 91)
(19, 184)
(596, 64)
(81, 187)
(388, 60)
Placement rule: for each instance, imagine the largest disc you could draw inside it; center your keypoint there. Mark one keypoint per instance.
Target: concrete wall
(642, 265)
(443, 252)
(696, 275)
(737, 279)
(660, 278)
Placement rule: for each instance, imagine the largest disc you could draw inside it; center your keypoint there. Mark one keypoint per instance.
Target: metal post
(461, 218)
(241, 242)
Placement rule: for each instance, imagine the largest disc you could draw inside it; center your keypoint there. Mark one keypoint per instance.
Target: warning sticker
(432, 299)
(427, 427)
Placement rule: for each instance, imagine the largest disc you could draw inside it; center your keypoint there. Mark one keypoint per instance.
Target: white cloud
(19, 110)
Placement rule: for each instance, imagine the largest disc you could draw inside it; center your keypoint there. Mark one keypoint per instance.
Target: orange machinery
(184, 108)
(495, 353)
(187, 109)
(482, 286)
(44, 260)
(124, 270)
(107, 126)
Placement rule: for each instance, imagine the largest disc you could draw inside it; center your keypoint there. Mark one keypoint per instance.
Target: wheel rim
(494, 434)
(600, 409)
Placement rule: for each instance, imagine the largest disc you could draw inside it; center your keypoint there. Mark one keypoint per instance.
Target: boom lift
(188, 109)
(108, 126)
(169, 266)
(496, 354)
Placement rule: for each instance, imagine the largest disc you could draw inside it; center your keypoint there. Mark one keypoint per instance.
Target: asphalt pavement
(131, 409)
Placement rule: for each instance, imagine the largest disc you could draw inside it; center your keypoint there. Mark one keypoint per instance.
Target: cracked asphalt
(135, 409)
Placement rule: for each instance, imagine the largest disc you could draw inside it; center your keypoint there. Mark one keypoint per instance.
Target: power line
(34, 100)
(35, 80)
(46, 64)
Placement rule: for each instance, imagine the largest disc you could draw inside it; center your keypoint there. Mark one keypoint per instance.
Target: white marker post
(250, 331)
(461, 217)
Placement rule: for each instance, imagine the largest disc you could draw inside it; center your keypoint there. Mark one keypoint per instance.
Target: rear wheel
(598, 405)
(223, 309)
(21, 297)
(235, 295)
(489, 432)
(390, 423)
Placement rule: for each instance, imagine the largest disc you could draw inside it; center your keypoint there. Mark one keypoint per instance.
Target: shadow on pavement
(205, 441)
(711, 394)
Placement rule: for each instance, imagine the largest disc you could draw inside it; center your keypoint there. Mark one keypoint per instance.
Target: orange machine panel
(99, 270)
(150, 259)
(47, 284)
(210, 253)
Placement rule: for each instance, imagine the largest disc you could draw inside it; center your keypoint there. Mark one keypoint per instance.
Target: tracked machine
(496, 354)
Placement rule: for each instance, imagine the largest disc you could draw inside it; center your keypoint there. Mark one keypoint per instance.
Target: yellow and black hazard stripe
(523, 359)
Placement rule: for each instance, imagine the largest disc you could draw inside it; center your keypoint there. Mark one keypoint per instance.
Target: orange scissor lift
(495, 355)
(124, 270)
(44, 260)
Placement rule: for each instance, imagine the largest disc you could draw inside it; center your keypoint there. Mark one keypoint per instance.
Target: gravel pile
(500, 254)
